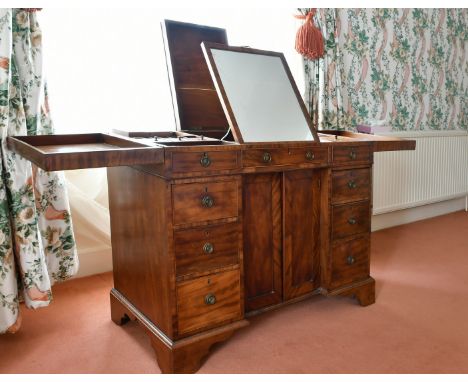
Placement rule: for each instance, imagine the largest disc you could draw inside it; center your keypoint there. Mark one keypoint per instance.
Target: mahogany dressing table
(206, 231)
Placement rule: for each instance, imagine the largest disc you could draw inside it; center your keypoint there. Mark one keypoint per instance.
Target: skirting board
(409, 215)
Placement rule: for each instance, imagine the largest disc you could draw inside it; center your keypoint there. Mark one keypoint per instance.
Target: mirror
(258, 93)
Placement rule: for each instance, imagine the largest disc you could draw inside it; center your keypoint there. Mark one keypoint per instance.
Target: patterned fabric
(407, 67)
(37, 246)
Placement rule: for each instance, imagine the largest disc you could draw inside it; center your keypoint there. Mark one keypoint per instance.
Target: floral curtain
(406, 68)
(37, 245)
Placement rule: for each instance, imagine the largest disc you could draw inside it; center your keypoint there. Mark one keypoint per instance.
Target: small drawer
(207, 248)
(350, 219)
(198, 202)
(208, 301)
(282, 157)
(205, 161)
(351, 185)
(350, 261)
(351, 154)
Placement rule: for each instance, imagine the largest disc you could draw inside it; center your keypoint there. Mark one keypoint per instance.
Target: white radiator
(436, 171)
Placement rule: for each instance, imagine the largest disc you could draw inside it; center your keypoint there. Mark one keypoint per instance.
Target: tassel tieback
(309, 40)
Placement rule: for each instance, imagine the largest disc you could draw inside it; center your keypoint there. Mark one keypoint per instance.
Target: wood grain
(351, 185)
(350, 219)
(262, 223)
(187, 201)
(192, 258)
(301, 257)
(195, 314)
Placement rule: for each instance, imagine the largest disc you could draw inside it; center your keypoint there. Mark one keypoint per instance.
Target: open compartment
(76, 151)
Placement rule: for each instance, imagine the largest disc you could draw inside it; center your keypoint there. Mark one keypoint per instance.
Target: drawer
(351, 154)
(350, 261)
(205, 161)
(351, 185)
(281, 157)
(202, 201)
(350, 219)
(208, 301)
(202, 249)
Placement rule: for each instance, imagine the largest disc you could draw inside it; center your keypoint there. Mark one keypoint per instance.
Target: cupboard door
(262, 240)
(301, 232)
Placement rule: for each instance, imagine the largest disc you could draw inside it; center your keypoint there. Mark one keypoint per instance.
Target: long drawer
(350, 261)
(204, 201)
(208, 301)
(350, 219)
(206, 248)
(351, 185)
(282, 157)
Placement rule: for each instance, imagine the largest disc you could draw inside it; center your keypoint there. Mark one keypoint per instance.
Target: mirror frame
(208, 46)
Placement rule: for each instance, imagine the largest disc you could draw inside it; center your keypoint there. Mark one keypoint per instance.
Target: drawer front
(202, 249)
(350, 261)
(198, 202)
(351, 154)
(351, 185)
(351, 219)
(208, 301)
(281, 157)
(205, 161)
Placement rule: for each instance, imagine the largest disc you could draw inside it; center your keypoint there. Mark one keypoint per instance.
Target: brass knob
(352, 184)
(352, 154)
(207, 201)
(309, 155)
(266, 157)
(208, 248)
(350, 260)
(210, 299)
(352, 221)
(205, 160)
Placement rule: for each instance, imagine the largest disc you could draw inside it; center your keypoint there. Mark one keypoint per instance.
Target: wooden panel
(196, 105)
(197, 161)
(201, 109)
(284, 156)
(301, 268)
(350, 219)
(350, 261)
(351, 185)
(352, 154)
(195, 313)
(76, 151)
(141, 236)
(262, 240)
(211, 247)
(187, 201)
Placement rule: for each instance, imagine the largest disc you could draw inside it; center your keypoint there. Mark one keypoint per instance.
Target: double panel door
(281, 220)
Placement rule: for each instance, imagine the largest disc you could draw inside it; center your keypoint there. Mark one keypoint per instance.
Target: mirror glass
(261, 96)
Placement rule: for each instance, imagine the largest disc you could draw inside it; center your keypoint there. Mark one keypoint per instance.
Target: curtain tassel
(309, 39)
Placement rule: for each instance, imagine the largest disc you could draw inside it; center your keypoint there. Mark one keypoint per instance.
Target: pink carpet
(419, 323)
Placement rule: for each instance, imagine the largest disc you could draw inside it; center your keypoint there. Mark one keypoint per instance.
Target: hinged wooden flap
(77, 151)
(197, 108)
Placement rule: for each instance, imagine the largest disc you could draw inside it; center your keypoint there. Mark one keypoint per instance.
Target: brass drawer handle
(310, 155)
(352, 184)
(350, 260)
(205, 160)
(207, 201)
(210, 299)
(266, 157)
(352, 221)
(208, 248)
(352, 154)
